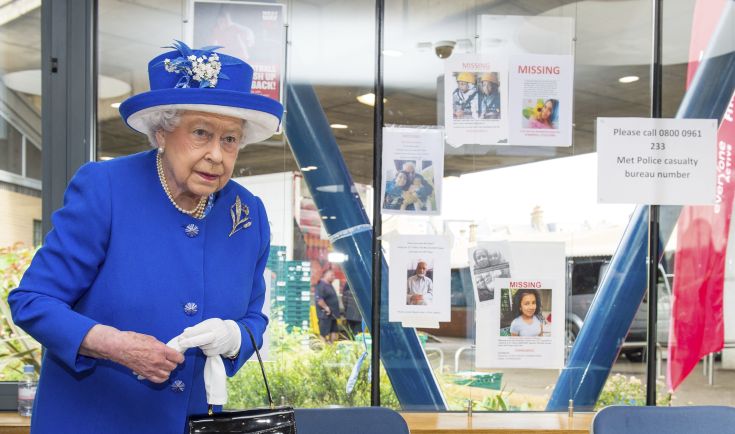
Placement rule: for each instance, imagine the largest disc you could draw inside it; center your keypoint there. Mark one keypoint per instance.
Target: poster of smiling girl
(524, 325)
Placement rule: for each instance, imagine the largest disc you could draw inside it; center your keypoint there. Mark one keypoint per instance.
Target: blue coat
(120, 255)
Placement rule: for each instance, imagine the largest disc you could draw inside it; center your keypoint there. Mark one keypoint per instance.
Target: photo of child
(541, 113)
(525, 312)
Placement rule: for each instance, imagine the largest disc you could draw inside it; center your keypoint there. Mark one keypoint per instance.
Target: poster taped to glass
(475, 95)
(419, 279)
(413, 168)
(522, 325)
(490, 262)
(541, 100)
(251, 31)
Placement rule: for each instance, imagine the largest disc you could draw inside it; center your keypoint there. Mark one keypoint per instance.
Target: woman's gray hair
(157, 120)
(167, 120)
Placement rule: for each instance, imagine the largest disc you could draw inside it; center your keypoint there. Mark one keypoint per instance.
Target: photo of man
(420, 287)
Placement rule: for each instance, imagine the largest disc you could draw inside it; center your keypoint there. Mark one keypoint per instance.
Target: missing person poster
(489, 261)
(540, 105)
(419, 280)
(413, 168)
(523, 326)
(251, 31)
(475, 96)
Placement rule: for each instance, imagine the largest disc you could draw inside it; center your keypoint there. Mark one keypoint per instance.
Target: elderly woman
(149, 246)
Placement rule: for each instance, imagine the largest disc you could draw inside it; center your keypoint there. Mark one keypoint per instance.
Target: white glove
(215, 376)
(214, 336)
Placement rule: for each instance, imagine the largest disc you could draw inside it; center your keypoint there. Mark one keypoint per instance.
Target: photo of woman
(543, 114)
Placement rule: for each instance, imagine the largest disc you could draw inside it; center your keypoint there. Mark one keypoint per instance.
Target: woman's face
(401, 179)
(528, 305)
(482, 258)
(200, 153)
(547, 111)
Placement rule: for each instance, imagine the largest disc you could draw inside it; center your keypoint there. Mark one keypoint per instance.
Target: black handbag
(273, 420)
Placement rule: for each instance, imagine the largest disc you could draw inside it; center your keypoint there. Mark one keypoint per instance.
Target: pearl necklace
(197, 212)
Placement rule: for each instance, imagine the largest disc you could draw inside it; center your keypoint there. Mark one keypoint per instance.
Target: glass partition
(528, 206)
(20, 175)
(495, 194)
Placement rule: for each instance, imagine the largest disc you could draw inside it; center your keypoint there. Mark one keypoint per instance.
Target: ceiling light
(106, 158)
(11, 11)
(29, 81)
(369, 99)
(629, 79)
(115, 105)
(336, 257)
(338, 126)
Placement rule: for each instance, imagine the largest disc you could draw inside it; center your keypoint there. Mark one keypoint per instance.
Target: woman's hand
(214, 336)
(145, 355)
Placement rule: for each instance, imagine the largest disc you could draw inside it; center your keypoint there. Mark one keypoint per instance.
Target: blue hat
(202, 80)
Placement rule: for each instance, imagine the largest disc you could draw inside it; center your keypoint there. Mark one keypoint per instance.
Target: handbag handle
(262, 368)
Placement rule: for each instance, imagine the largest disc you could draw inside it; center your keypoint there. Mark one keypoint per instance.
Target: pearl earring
(160, 149)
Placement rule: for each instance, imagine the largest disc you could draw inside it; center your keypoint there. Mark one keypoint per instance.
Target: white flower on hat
(204, 69)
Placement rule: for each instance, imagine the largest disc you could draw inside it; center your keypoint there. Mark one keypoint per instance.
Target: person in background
(148, 246)
(327, 307)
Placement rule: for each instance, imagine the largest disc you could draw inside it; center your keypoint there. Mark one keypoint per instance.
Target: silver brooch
(240, 214)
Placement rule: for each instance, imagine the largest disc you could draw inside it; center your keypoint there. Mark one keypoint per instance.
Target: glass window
(37, 232)
(20, 196)
(11, 148)
(33, 160)
(304, 370)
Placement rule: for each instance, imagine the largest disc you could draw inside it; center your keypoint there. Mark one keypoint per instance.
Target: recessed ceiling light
(115, 105)
(105, 158)
(338, 126)
(369, 99)
(29, 81)
(629, 79)
(392, 53)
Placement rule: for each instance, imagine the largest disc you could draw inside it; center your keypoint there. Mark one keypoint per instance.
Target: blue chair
(669, 420)
(355, 420)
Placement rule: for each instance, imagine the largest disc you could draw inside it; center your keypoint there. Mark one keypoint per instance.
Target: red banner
(696, 327)
(699, 271)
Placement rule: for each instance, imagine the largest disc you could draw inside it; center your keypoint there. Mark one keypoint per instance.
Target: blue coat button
(178, 386)
(191, 308)
(191, 230)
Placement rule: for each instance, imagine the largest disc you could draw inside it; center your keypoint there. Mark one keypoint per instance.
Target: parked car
(584, 275)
